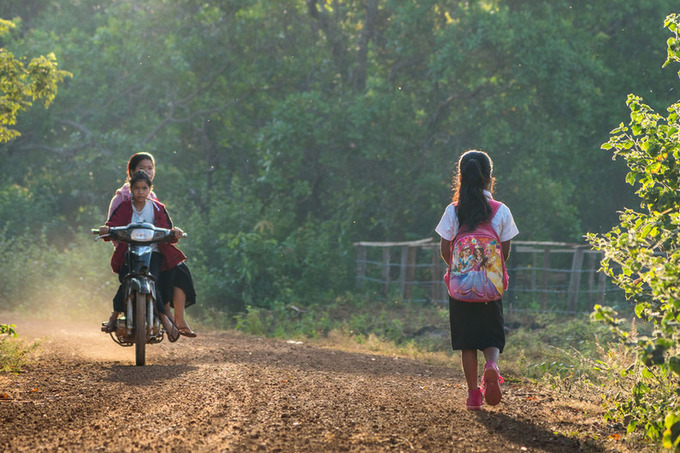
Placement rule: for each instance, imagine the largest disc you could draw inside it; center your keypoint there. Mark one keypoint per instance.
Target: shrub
(646, 245)
(13, 352)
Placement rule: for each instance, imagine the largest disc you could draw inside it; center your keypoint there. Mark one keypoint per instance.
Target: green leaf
(647, 374)
(674, 364)
(671, 433)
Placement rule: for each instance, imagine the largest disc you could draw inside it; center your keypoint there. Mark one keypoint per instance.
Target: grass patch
(15, 353)
(559, 348)
(404, 325)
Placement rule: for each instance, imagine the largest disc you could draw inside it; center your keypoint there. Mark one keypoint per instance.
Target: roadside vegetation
(15, 352)
(642, 256)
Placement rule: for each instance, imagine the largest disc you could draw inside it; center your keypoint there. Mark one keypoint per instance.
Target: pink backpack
(477, 271)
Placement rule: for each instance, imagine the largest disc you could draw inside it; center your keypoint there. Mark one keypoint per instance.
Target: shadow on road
(146, 375)
(532, 436)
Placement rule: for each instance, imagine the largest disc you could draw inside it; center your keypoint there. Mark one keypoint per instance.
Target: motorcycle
(140, 323)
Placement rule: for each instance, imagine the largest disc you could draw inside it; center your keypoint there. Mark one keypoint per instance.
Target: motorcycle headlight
(122, 235)
(141, 235)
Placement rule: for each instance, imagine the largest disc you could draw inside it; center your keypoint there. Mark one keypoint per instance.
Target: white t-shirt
(145, 215)
(502, 223)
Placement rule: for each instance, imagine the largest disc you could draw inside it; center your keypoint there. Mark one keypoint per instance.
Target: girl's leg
(179, 300)
(168, 311)
(110, 325)
(474, 399)
(491, 379)
(491, 354)
(118, 305)
(469, 359)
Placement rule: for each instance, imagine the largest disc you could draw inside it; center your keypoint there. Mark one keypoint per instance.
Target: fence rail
(544, 276)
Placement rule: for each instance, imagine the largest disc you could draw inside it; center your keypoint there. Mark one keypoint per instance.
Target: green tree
(22, 84)
(642, 255)
(340, 118)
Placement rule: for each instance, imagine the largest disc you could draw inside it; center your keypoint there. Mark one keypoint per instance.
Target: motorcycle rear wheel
(140, 329)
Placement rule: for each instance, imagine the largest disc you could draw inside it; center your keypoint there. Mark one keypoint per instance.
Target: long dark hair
(135, 159)
(473, 176)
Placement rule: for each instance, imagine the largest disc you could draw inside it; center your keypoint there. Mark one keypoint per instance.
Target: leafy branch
(646, 246)
(21, 85)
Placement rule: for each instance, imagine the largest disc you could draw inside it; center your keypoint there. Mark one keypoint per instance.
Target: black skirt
(476, 325)
(180, 277)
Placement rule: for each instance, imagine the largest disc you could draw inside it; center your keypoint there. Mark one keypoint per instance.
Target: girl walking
(476, 326)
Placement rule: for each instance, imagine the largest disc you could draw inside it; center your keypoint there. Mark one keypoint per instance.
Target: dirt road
(228, 392)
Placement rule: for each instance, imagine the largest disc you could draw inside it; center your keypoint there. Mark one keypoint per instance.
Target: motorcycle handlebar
(113, 229)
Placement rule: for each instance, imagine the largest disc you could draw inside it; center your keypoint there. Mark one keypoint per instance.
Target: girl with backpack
(473, 217)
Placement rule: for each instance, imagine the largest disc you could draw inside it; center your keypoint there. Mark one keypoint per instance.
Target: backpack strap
(495, 206)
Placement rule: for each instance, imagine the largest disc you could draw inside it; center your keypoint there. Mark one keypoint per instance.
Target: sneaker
(474, 400)
(491, 382)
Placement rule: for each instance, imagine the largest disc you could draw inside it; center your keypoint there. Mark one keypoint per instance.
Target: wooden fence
(544, 276)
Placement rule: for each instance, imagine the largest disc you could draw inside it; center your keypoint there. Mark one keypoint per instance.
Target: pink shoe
(474, 400)
(491, 382)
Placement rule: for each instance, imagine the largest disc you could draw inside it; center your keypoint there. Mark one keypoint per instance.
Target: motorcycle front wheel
(140, 329)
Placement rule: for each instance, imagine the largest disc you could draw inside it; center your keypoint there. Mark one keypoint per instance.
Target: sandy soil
(233, 393)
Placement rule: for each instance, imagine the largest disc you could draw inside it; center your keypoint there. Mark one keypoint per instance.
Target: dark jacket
(122, 216)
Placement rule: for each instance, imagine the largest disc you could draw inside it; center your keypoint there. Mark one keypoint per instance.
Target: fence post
(544, 277)
(402, 271)
(386, 270)
(592, 268)
(534, 265)
(435, 275)
(407, 271)
(510, 293)
(575, 280)
(361, 265)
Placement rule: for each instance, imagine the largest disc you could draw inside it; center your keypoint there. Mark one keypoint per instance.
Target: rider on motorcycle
(166, 256)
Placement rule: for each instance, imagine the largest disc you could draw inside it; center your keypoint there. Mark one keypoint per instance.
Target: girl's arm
(164, 221)
(114, 220)
(117, 199)
(505, 246)
(445, 251)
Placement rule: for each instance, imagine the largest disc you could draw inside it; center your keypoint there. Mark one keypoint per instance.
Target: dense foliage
(21, 84)
(286, 131)
(646, 248)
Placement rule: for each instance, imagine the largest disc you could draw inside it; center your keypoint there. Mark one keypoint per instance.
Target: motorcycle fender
(142, 286)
